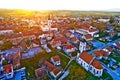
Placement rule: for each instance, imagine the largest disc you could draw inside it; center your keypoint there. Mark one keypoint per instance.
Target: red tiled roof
(58, 39)
(15, 35)
(7, 68)
(100, 52)
(35, 41)
(56, 58)
(88, 36)
(96, 64)
(109, 48)
(52, 68)
(56, 71)
(16, 55)
(74, 38)
(86, 57)
(40, 72)
(49, 65)
(118, 43)
(69, 46)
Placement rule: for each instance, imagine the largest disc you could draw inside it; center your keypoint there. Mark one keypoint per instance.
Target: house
(69, 48)
(99, 53)
(7, 72)
(53, 70)
(34, 43)
(22, 45)
(69, 34)
(108, 49)
(89, 63)
(88, 37)
(58, 41)
(104, 20)
(117, 44)
(87, 30)
(13, 55)
(74, 40)
(40, 73)
(14, 38)
(55, 60)
(3, 32)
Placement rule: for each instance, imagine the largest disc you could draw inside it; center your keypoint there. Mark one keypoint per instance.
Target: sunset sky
(61, 4)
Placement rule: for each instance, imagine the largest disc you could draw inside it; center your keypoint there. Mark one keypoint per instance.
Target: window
(97, 72)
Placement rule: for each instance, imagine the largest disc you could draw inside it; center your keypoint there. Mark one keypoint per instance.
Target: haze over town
(95, 5)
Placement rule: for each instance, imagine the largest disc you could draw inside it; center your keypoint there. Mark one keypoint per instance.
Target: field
(32, 63)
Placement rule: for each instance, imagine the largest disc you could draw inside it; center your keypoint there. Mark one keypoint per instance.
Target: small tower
(82, 45)
(49, 21)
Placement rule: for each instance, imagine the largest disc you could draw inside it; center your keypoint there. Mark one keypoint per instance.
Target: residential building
(99, 53)
(55, 60)
(52, 70)
(69, 48)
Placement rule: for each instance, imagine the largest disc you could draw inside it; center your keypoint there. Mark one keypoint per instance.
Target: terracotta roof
(56, 71)
(49, 65)
(40, 72)
(96, 64)
(100, 52)
(88, 36)
(86, 57)
(35, 41)
(58, 39)
(7, 68)
(16, 55)
(52, 68)
(12, 36)
(109, 48)
(118, 43)
(56, 58)
(69, 46)
(74, 39)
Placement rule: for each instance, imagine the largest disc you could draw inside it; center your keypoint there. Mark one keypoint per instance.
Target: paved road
(63, 54)
(111, 72)
(105, 45)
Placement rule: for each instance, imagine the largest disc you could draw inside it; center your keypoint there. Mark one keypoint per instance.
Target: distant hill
(22, 12)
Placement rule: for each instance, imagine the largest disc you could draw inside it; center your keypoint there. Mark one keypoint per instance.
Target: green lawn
(105, 61)
(32, 63)
(76, 72)
(79, 73)
(115, 56)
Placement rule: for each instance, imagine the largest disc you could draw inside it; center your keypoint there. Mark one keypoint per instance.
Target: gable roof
(69, 46)
(109, 48)
(96, 64)
(40, 72)
(100, 52)
(88, 36)
(7, 68)
(56, 58)
(56, 71)
(52, 68)
(86, 57)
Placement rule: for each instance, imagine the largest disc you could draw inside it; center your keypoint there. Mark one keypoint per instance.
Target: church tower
(82, 46)
(49, 21)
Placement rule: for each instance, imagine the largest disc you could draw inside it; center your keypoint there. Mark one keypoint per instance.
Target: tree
(6, 45)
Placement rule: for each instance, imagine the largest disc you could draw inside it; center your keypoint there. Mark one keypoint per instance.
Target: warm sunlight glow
(61, 4)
